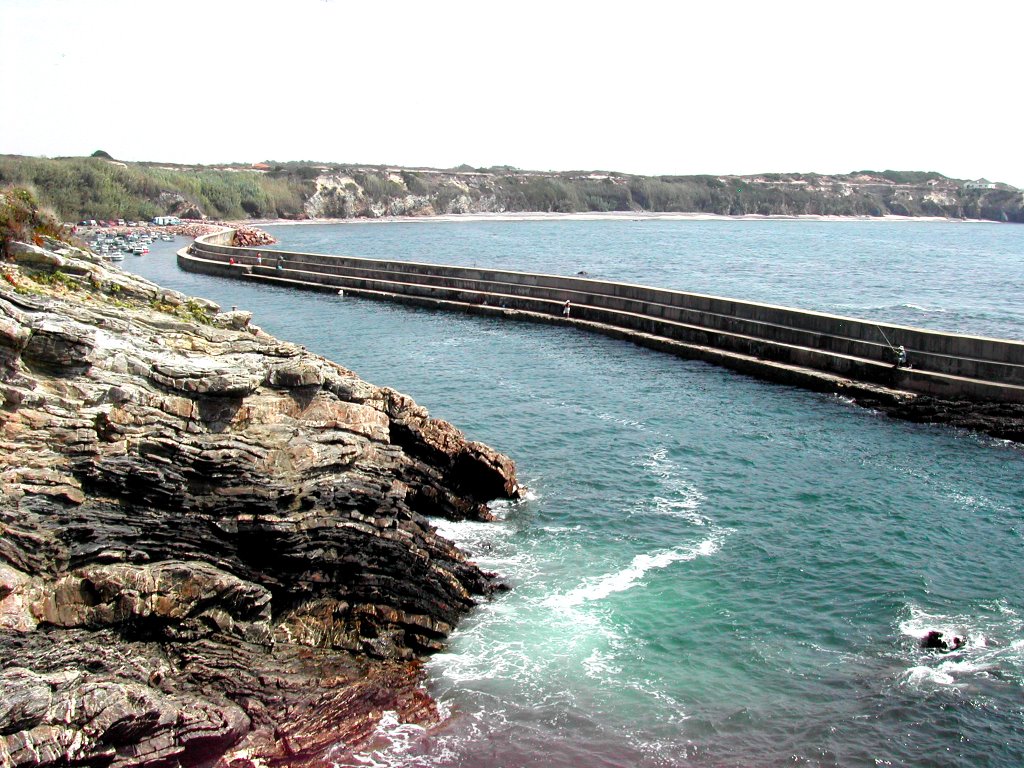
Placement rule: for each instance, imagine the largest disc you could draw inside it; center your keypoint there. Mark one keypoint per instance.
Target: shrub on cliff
(907, 177)
(22, 221)
(380, 188)
(92, 187)
(415, 183)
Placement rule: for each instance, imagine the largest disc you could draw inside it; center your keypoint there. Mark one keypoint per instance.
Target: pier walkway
(808, 349)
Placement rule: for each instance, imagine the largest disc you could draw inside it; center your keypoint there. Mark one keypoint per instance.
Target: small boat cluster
(114, 246)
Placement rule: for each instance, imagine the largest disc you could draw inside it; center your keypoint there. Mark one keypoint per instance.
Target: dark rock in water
(933, 640)
(1004, 421)
(213, 544)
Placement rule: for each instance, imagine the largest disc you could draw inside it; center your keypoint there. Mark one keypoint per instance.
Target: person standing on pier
(565, 309)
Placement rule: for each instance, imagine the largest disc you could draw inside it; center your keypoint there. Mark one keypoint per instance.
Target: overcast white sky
(640, 87)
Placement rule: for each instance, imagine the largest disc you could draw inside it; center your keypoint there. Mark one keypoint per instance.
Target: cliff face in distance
(213, 547)
(100, 188)
(367, 192)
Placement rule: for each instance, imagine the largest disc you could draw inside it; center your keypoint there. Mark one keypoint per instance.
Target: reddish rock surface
(247, 237)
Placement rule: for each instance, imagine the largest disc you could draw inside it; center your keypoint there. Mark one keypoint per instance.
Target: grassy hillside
(93, 187)
(99, 187)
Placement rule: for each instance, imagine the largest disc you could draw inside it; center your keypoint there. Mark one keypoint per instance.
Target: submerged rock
(213, 544)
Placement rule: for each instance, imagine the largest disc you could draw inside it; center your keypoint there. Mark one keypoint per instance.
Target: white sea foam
(509, 662)
(491, 546)
(562, 528)
(621, 421)
(920, 623)
(919, 675)
(920, 308)
(684, 507)
(845, 400)
(992, 646)
(601, 665)
(681, 498)
(632, 575)
(657, 462)
(487, 543)
(470, 531)
(394, 744)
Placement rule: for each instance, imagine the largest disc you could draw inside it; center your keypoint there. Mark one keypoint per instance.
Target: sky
(660, 88)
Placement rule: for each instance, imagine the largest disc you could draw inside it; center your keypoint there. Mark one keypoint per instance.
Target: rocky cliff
(214, 547)
(373, 192)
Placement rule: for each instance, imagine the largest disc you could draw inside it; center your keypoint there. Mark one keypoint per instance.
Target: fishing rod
(885, 337)
(900, 354)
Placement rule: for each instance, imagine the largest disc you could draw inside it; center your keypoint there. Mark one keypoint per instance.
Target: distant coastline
(640, 216)
(100, 187)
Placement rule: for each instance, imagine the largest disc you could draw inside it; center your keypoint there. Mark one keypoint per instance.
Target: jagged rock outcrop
(213, 544)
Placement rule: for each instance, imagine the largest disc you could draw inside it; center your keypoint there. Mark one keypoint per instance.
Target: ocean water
(963, 277)
(709, 570)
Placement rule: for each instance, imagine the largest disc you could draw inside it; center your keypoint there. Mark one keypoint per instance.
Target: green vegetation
(56, 278)
(99, 187)
(907, 177)
(378, 186)
(22, 220)
(191, 311)
(94, 187)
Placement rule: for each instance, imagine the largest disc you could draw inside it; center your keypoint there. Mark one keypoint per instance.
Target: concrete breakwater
(810, 349)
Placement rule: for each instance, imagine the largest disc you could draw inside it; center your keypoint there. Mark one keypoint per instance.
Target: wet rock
(1004, 421)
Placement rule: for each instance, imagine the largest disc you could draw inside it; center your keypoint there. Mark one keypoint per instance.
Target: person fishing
(899, 353)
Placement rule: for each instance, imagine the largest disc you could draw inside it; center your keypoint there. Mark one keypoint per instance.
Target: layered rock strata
(214, 547)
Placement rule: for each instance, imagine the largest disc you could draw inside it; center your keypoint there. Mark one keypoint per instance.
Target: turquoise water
(709, 570)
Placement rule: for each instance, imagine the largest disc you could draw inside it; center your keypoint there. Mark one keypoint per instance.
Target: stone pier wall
(758, 338)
